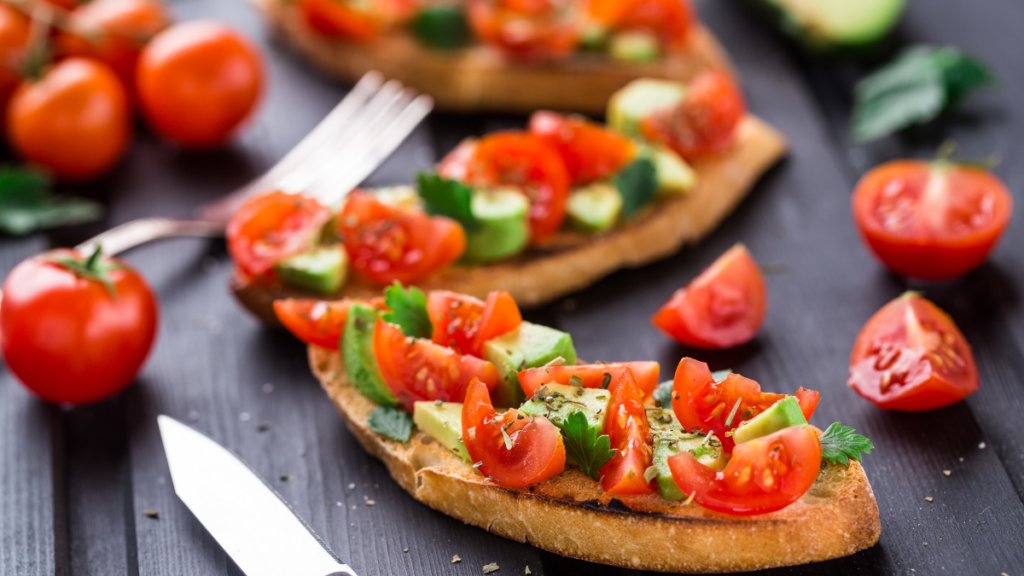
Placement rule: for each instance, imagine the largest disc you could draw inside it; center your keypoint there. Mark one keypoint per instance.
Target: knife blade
(254, 525)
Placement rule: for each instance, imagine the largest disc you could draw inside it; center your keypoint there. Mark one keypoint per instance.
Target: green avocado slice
(360, 361)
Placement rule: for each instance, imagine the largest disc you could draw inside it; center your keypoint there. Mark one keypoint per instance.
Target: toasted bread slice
(574, 261)
(478, 78)
(569, 515)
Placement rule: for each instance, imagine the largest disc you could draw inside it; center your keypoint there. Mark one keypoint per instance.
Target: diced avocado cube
(595, 207)
(826, 23)
(400, 196)
(321, 270)
(528, 346)
(444, 423)
(557, 401)
(674, 175)
(670, 439)
(594, 35)
(634, 46)
(360, 361)
(639, 99)
(782, 414)
(504, 227)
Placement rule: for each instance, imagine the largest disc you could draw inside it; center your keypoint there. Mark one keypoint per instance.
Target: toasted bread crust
(574, 261)
(478, 78)
(568, 515)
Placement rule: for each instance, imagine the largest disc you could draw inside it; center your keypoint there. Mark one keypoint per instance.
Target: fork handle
(138, 232)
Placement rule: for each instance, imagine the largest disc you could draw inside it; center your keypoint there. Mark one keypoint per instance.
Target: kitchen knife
(253, 524)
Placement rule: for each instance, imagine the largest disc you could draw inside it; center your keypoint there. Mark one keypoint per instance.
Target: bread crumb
(528, 571)
(928, 498)
(492, 567)
(370, 502)
(981, 446)
(456, 559)
(406, 550)
(947, 472)
(151, 514)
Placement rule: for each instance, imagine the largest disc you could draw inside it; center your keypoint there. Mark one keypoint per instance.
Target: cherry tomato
(76, 329)
(607, 375)
(910, 356)
(702, 404)
(705, 122)
(422, 370)
(319, 322)
(198, 81)
(14, 33)
(528, 162)
(931, 220)
(533, 451)
(764, 475)
(590, 151)
(271, 227)
(114, 32)
(464, 323)
(341, 18)
(388, 243)
(525, 29)
(627, 429)
(723, 307)
(669, 20)
(74, 121)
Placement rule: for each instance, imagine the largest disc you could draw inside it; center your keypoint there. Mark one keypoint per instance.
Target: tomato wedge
(464, 323)
(764, 475)
(931, 220)
(272, 227)
(340, 18)
(702, 404)
(606, 375)
(524, 29)
(910, 356)
(528, 162)
(669, 20)
(319, 322)
(455, 165)
(531, 449)
(629, 432)
(590, 151)
(421, 370)
(388, 243)
(704, 123)
(723, 307)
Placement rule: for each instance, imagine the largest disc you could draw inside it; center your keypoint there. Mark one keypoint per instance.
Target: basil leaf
(442, 27)
(451, 198)
(26, 204)
(637, 184)
(391, 422)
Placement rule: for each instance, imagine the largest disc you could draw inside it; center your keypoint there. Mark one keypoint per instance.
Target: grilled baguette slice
(568, 515)
(478, 78)
(571, 261)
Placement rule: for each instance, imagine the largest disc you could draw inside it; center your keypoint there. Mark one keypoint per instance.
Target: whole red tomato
(198, 81)
(76, 329)
(74, 120)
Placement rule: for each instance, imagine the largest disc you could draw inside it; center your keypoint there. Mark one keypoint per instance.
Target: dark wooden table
(74, 482)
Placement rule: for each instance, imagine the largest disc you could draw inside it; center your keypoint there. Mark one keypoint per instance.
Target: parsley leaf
(442, 27)
(391, 422)
(590, 451)
(408, 310)
(702, 450)
(839, 444)
(637, 184)
(451, 198)
(918, 85)
(26, 204)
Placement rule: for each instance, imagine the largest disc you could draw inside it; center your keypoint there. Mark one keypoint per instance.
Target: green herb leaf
(702, 450)
(839, 443)
(408, 310)
(451, 198)
(637, 184)
(26, 204)
(590, 451)
(918, 85)
(442, 27)
(391, 422)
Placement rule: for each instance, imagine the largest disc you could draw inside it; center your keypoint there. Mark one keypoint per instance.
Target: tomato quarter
(464, 323)
(669, 20)
(910, 356)
(590, 151)
(723, 307)
(931, 220)
(525, 29)
(271, 227)
(607, 375)
(341, 18)
(629, 433)
(319, 322)
(705, 122)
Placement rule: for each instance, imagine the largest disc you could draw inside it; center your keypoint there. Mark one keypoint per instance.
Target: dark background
(74, 482)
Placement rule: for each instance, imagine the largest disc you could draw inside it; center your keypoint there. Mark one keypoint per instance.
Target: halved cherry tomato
(464, 323)
(931, 220)
(702, 404)
(669, 20)
(607, 375)
(389, 243)
(341, 18)
(910, 356)
(590, 151)
(723, 307)
(319, 322)
(705, 122)
(525, 29)
(531, 449)
(14, 33)
(627, 429)
(417, 369)
(528, 162)
(271, 227)
(764, 475)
